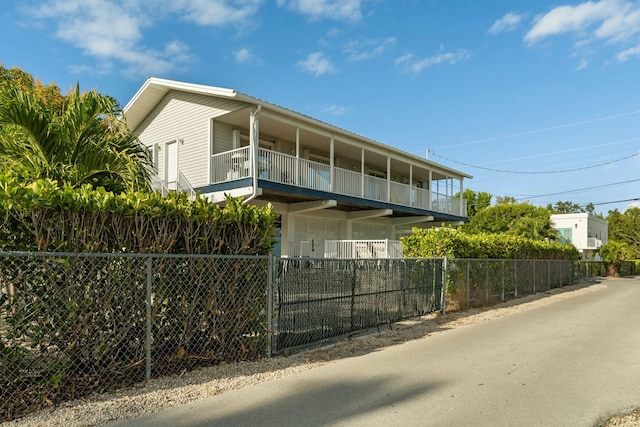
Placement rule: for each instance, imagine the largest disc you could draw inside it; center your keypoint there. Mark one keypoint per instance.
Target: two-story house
(585, 231)
(332, 188)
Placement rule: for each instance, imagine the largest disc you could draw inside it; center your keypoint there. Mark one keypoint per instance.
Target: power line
(600, 119)
(537, 172)
(579, 190)
(615, 201)
(590, 147)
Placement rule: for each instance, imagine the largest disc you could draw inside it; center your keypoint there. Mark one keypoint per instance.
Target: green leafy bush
(44, 216)
(453, 243)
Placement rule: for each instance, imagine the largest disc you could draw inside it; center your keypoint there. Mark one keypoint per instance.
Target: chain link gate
(318, 299)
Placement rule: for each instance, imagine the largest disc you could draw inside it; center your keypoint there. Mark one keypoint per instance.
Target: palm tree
(77, 141)
(613, 253)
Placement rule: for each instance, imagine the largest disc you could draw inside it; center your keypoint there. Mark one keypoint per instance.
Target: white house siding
(369, 230)
(316, 230)
(185, 117)
(222, 137)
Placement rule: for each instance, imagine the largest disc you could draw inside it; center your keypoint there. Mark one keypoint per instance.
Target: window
(565, 235)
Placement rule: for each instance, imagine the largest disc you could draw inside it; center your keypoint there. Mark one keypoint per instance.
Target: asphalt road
(574, 362)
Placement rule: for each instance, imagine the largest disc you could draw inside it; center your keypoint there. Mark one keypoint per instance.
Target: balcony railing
(287, 169)
(362, 249)
(593, 243)
(181, 184)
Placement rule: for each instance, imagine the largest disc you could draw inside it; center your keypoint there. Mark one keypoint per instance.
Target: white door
(171, 170)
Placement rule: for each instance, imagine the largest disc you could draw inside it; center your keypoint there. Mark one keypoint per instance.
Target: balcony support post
(254, 137)
(429, 194)
(411, 192)
(388, 177)
(362, 173)
(462, 207)
(297, 171)
(331, 165)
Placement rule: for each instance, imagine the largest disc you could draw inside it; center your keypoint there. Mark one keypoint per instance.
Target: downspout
(253, 149)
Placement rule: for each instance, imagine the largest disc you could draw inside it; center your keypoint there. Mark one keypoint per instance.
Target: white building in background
(332, 188)
(585, 231)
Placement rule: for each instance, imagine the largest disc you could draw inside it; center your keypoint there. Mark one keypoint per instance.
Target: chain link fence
(318, 299)
(586, 269)
(483, 282)
(76, 324)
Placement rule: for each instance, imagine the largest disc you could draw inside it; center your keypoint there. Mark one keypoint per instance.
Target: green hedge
(453, 243)
(43, 216)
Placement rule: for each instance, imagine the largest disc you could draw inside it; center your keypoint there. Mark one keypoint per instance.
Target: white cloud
(342, 10)
(403, 58)
(362, 50)
(611, 20)
(217, 12)
(113, 32)
(417, 66)
(508, 22)
(245, 56)
(594, 24)
(584, 63)
(317, 64)
(335, 110)
(627, 54)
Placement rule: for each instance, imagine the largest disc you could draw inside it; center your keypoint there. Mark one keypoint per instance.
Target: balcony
(290, 170)
(593, 243)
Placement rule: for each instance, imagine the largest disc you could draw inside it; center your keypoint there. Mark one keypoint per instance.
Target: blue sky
(536, 99)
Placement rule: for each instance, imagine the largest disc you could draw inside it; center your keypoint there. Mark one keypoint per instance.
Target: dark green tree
(563, 207)
(475, 201)
(614, 252)
(520, 219)
(624, 228)
(505, 200)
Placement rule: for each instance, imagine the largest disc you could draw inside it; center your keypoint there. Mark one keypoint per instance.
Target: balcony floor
(284, 193)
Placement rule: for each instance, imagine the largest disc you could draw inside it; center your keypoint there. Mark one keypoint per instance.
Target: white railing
(314, 175)
(180, 184)
(185, 186)
(448, 204)
(593, 243)
(400, 194)
(421, 198)
(230, 165)
(362, 249)
(159, 185)
(274, 166)
(287, 169)
(375, 188)
(347, 182)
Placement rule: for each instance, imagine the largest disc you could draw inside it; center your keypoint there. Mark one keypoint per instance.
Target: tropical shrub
(453, 243)
(44, 216)
(75, 139)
